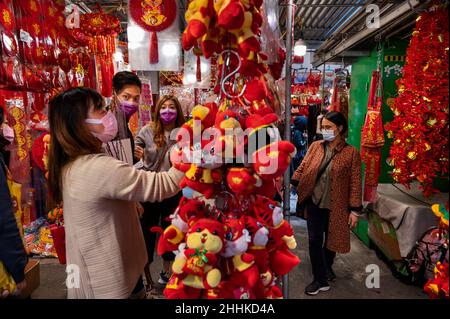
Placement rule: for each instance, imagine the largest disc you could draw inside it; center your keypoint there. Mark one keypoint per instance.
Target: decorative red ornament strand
(420, 128)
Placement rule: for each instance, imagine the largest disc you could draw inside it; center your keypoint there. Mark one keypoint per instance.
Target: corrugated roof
(320, 18)
(322, 22)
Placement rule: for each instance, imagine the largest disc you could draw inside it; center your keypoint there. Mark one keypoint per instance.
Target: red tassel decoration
(107, 70)
(154, 58)
(91, 74)
(373, 89)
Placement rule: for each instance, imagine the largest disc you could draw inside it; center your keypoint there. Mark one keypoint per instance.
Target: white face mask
(328, 135)
(109, 122)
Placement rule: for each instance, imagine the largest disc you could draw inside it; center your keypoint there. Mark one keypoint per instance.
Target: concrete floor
(350, 270)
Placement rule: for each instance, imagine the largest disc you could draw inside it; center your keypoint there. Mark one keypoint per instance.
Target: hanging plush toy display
(153, 16)
(229, 236)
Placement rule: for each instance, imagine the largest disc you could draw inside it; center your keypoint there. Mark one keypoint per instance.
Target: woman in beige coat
(104, 243)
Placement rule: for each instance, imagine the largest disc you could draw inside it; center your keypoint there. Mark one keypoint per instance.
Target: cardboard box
(383, 235)
(33, 278)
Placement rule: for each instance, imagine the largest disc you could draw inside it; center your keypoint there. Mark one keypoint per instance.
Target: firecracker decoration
(372, 138)
(420, 128)
(153, 16)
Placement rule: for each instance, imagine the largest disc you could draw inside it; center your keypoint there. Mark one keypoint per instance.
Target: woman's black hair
(123, 78)
(2, 115)
(338, 119)
(69, 137)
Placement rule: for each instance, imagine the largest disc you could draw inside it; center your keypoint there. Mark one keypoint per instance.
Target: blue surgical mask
(328, 135)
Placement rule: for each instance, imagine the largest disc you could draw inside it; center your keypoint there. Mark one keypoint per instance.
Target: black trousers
(321, 258)
(156, 214)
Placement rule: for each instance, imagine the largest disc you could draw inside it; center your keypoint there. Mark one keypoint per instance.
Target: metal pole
(287, 130)
(323, 89)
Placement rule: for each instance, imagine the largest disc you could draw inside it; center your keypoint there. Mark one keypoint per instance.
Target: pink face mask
(168, 116)
(109, 122)
(8, 133)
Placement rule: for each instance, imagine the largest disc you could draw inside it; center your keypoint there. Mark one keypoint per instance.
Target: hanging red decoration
(420, 128)
(60, 21)
(60, 4)
(30, 7)
(99, 23)
(7, 18)
(153, 16)
(50, 10)
(98, 31)
(9, 44)
(107, 73)
(372, 138)
(64, 61)
(37, 53)
(34, 28)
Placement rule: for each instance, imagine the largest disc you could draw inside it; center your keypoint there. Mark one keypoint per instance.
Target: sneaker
(331, 276)
(315, 287)
(163, 278)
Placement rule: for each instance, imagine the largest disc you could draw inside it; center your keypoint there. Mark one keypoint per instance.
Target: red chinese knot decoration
(153, 16)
